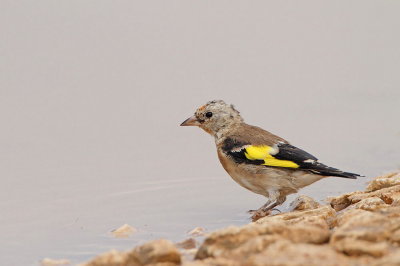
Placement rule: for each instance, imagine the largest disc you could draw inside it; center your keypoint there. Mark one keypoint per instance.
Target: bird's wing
(280, 154)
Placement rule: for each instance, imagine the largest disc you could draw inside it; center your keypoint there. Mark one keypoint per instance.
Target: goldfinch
(257, 159)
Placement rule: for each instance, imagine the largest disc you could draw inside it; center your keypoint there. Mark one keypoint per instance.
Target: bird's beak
(191, 121)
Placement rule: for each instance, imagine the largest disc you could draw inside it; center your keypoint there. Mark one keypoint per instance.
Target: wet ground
(92, 94)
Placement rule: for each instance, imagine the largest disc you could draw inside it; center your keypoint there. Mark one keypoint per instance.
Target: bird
(258, 160)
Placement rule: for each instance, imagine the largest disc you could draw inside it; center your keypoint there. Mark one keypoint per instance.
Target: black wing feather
(307, 161)
(292, 153)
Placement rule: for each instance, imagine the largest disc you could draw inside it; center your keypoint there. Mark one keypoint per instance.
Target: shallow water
(92, 94)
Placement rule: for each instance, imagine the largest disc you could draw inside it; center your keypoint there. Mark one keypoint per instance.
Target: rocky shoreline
(358, 228)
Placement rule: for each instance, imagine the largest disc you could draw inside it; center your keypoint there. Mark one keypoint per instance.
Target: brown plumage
(257, 159)
(254, 135)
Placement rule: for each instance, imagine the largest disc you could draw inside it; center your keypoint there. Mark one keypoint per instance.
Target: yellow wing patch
(264, 153)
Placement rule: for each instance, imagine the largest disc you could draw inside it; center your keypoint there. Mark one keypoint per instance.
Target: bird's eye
(208, 114)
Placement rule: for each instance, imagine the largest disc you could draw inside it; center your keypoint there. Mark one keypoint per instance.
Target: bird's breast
(248, 179)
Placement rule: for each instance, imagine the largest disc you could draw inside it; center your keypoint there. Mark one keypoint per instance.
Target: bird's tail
(322, 169)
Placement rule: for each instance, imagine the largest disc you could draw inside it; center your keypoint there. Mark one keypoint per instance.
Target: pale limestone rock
(222, 242)
(309, 230)
(309, 226)
(325, 213)
(189, 243)
(343, 217)
(392, 198)
(384, 181)
(161, 252)
(343, 201)
(361, 232)
(255, 245)
(392, 259)
(158, 251)
(395, 237)
(124, 231)
(388, 195)
(188, 254)
(197, 231)
(358, 247)
(285, 253)
(215, 262)
(112, 257)
(370, 204)
(302, 203)
(53, 262)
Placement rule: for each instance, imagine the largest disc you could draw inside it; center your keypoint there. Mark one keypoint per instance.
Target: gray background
(92, 93)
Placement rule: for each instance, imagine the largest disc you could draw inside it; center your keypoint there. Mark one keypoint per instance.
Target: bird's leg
(279, 201)
(275, 199)
(265, 210)
(265, 205)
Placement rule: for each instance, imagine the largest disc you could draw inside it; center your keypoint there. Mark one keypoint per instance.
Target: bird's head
(214, 117)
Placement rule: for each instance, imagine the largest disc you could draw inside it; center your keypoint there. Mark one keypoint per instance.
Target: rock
(343, 201)
(282, 253)
(197, 231)
(361, 232)
(370, 204)
(357, 247)
(112, 258)
(52, 262)
(307, 230)
(392, 198)
(385, 181)
(157, 251)
(221, 242)
(388, 195)
(325, 213)
(124, 231)
(189, 243)
(395, 237)
(188, 254)
(391, 259)
(254, 246)
(302, 203)
(214, 262)
(369, 223)
(309, 226)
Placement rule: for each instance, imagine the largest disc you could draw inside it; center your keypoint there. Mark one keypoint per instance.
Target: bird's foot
(262, 212)
(257, 214)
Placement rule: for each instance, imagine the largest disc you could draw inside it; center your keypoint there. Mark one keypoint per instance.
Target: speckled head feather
(216, 116)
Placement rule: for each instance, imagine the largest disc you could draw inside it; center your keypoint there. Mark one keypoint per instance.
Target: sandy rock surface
(157, 252)
(189, 243)
(53, 262)
(197, 231)
(124, 231)
(358, 228)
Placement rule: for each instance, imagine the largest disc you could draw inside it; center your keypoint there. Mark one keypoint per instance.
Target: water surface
(92, 93)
